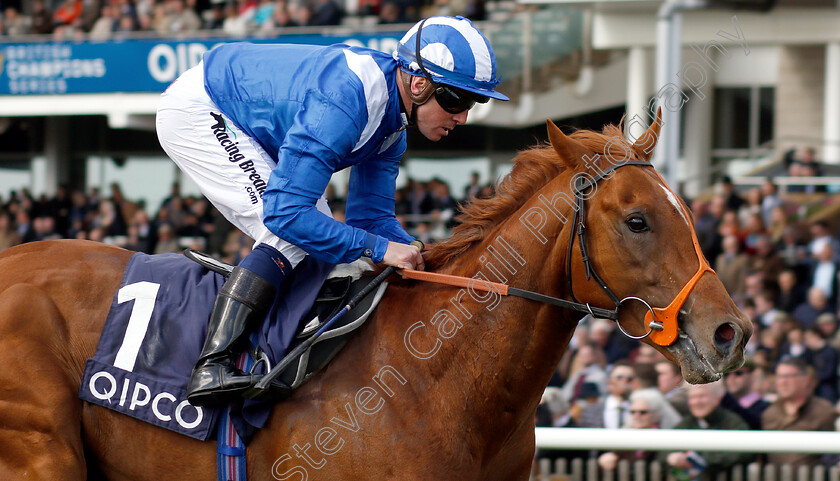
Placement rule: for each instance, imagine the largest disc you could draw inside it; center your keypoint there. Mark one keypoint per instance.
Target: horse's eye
(637, 223)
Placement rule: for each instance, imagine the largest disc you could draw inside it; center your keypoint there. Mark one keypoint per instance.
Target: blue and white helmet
(454, 52)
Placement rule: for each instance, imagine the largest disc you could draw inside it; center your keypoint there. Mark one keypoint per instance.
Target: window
(743, 118)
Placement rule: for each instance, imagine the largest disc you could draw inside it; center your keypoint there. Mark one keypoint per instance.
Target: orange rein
(457, 281)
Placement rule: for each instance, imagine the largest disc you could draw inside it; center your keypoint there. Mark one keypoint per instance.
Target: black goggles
(450, 99)
(455, 100)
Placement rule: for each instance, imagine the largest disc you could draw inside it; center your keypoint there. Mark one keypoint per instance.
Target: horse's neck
(501, 359)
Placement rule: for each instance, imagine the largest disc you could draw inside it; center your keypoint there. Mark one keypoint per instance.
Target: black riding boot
(242, 301)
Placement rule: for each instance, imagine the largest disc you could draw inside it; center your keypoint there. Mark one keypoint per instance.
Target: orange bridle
(667, 316)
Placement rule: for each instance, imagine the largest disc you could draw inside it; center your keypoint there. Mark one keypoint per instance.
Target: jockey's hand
(403, 256)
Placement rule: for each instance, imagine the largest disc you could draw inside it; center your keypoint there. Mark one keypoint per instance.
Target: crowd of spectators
(106, 19)
(180, 222)
(426, 208)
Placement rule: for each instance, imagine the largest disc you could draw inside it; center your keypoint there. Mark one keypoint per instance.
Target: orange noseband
(667, 317)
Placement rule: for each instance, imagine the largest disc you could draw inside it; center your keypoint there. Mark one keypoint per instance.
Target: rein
(506, 290)
(662, 323)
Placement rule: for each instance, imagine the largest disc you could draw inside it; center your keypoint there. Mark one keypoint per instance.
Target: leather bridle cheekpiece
(663, 326)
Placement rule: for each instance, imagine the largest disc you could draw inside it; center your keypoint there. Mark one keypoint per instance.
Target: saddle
(333, 296)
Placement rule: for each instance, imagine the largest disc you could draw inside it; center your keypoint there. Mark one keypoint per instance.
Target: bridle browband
(662, 323)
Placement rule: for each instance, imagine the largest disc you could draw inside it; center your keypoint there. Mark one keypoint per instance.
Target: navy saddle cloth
(157, 324)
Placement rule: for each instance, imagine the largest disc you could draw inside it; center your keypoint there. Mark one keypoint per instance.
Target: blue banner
(130, 65)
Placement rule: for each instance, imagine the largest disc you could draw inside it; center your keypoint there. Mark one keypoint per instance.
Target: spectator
(476, 10)
(472, 189)
(129, 8)
(109, 217)
(45, 229)
(753, 229)
(557, 407)
(765, 308)
(444, 206)
(234, 24)
(731, 265)
(827, 323)
(587, 366)
(14, 23)
(41, 18)
(612, 411)
(730, 225)
(647, 354)
(90, 12)
(214, 18)
(25, 228)
(180, 18)
(793, 344)
(553, 411)
(68, 12)
(105, 25)
(742, 396)
(751, 205)
(824, 358)
(166, 240)
(776, 224)
(646, 378)
(765, 259)
(707, 227)
(125, 24)
(326, 12)
(797, 409)
(726, 189)
(608, 338)
(820, 235)
(706, 413)
(281, 18)
(670, 383)
(263, 13)
(808, 169)
(134, 242)
(645, 413)
(8, 236)
(770, 344)
(815, 304)
(824, 271)
(770, 200)
(791, 293)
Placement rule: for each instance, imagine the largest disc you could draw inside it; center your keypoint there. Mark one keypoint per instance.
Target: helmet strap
(416, 99)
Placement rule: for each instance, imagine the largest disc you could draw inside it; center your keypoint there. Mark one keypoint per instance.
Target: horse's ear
(569, 151)
(647, 142)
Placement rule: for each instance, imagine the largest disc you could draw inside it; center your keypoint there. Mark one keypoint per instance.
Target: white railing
(786, 181)
(582, 439)
(820, 442)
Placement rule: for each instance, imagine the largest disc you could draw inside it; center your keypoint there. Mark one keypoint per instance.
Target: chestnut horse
(440, 384)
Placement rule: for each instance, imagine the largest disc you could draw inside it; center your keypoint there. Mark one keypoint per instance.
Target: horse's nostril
(725, 334)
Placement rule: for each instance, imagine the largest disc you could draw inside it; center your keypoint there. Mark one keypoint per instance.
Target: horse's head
(640, 240)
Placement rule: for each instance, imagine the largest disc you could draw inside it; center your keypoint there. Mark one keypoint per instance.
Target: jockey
(261, 129)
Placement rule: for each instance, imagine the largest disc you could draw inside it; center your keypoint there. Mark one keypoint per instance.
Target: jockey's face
(432, 121)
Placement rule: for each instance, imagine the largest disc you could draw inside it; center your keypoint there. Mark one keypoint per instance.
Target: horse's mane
(533, 168)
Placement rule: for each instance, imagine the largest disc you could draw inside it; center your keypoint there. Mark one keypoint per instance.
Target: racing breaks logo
(220, 130)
